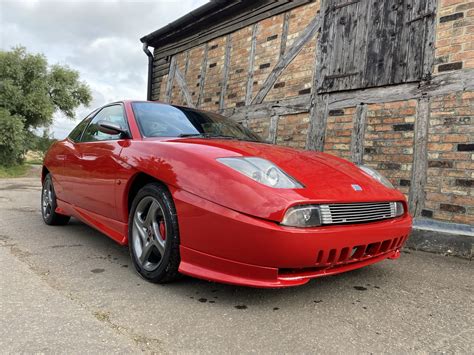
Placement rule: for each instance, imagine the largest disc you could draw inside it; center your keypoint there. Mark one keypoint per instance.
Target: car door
(71, 170)
(97, 157)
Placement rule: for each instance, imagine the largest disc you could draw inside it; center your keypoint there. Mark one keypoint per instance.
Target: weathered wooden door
(367, 43)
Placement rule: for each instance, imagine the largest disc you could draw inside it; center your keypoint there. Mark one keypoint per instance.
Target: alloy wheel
(47, 198)
(149, 233)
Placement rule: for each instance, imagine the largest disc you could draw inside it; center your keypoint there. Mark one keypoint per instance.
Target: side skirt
(115, 230)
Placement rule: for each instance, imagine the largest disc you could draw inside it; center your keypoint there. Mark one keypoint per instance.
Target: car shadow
(240, 297)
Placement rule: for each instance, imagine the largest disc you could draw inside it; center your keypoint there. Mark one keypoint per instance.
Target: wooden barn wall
(418, 129)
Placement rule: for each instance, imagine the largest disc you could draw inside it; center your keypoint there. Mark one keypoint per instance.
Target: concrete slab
(68, 288)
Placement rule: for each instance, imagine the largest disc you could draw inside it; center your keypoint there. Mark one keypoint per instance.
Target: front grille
(357, 212)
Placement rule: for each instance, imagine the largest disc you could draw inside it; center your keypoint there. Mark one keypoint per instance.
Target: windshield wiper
(205, 135)
(183, 135)
(210, 135)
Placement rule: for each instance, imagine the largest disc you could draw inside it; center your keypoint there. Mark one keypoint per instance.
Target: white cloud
(100, 39)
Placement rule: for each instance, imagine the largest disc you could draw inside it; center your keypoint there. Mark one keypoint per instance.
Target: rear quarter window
(76, 133)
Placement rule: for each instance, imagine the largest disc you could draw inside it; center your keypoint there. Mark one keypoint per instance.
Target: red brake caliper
(163, 230)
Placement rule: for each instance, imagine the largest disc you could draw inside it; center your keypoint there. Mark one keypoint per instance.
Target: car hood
(326, 178)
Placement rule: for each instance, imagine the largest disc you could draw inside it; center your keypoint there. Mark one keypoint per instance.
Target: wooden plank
(273, 129)
(325, 45)
(284, 32)
(350, 39)
(390, 32)
(318, 105)
(374, 61)
(327, 50)
(186, 64)
(254, 15)
(181, 81)
(378, 42)
(318, 122)
(160, 73)
(293, 105)
(253, 44)
(159, 60)
(213, 26)
(442, 84)
(410, 13)
(262, 8)
(169, 83)
(416, 46)
(287, 58)
(336, 59)
(342, 46)
(398, 67)
(358, 133)
(161, 67)
(416, 196)
(430, 35)
(202, 75)
(225, 76)
(314, 93)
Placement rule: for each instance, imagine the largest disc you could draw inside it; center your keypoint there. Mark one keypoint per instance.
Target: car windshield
(160, 120)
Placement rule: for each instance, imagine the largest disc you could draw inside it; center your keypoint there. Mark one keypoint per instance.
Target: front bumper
(223, 245)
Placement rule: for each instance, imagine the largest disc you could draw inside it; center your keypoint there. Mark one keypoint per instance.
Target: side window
(113, 114)
(76, 133)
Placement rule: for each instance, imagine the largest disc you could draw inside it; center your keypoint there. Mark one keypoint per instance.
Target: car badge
(356, 187)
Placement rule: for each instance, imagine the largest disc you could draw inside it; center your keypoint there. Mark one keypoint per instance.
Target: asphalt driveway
(71, 289)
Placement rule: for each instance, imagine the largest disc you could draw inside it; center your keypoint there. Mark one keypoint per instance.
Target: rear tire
(49, 204)
(153, 234)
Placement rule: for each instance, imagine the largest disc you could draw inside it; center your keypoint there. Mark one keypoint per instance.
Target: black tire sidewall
(164, 198)
(50, 218)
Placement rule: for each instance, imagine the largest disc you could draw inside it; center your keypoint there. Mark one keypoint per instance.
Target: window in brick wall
(369, 43)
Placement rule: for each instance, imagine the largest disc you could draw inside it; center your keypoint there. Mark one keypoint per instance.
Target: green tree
(33, 90)
(39, 143)
(12, 138)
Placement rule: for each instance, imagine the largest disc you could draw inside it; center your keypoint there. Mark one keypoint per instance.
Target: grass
(14, 171)
(34, 157)
(34, 161)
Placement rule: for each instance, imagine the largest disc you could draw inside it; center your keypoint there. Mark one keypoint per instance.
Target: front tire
(49, 204)
(153, 235)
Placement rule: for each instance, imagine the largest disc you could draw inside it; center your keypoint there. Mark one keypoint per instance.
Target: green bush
(39, 143)
(12, 138)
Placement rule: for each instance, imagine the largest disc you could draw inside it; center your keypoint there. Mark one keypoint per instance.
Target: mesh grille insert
(357, 212)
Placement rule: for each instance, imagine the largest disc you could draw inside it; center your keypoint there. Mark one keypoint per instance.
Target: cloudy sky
(98, 38)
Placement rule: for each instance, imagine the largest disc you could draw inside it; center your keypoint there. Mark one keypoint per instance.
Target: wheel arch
(44, 172)
(136, 183)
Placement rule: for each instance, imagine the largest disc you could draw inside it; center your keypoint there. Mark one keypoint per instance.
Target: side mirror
(112, 128)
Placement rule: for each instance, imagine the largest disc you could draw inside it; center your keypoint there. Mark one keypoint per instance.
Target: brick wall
(297, 78)
(292, 130)
(450, 184)
(388, 145)
(239, 64)
(338, 132)
(389, 135)
(455, 35)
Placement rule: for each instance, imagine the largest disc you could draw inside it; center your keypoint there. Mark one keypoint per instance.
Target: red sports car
(194, 193)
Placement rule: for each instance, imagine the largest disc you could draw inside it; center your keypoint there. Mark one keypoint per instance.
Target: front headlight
(376, 175)
(399, 209)
(302, 216)
(262, 171)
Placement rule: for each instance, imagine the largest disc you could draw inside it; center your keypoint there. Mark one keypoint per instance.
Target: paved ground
(71, 289)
